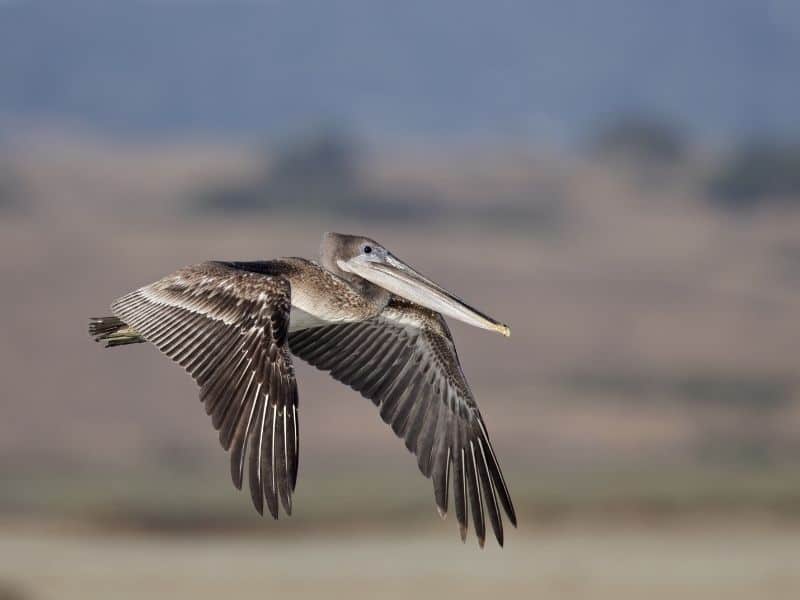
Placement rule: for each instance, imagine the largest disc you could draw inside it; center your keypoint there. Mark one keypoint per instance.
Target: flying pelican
(363, 315)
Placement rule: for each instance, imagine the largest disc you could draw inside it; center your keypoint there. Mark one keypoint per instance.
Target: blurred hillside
(654, 343)
(646, 409)
(535, 70)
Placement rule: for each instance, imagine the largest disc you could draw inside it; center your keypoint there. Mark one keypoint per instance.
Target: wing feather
(228, 327)
(405, 361)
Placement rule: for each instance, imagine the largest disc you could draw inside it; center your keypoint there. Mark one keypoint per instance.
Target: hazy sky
(538, 70)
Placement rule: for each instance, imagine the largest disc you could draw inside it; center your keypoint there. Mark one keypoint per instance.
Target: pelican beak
(399, 278)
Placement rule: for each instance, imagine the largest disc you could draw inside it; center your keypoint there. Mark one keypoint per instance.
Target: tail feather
(113, 331)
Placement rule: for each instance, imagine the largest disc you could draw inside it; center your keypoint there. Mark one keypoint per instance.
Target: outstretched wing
(405, 361)
(227, 327)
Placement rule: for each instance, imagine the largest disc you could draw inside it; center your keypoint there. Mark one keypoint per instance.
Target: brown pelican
(363, 315)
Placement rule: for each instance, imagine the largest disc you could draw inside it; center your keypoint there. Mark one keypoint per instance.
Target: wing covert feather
(404, 360)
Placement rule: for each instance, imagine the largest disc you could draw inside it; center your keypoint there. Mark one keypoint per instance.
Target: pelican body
(361, 314)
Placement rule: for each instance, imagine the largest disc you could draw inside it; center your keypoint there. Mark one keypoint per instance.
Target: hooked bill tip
(504, 329)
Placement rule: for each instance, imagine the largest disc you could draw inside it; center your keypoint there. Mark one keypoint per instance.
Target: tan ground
(735, 562)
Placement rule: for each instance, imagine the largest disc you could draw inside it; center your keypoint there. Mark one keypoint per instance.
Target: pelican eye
(367, 249)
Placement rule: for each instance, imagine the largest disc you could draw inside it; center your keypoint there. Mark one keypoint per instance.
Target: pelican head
(357, 258)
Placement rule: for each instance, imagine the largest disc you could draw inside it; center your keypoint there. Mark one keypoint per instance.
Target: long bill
(400, 279)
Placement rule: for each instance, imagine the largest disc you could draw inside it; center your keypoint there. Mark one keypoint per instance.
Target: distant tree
(640, 139)
(328, 159)
(9, 188)
(757, 174)
(319, 174)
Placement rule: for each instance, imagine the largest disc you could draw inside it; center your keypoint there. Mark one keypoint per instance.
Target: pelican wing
(404, 360)
(228, 328)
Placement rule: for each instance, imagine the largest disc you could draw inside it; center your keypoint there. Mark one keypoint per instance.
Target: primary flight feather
(363, 315)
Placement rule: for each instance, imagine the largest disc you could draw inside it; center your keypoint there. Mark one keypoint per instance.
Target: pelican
(361, 314)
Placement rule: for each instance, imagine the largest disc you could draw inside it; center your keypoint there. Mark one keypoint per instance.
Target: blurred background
(618, 181)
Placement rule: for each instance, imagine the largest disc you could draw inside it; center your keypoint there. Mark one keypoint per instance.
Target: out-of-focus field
(646, 408)
(689, 562)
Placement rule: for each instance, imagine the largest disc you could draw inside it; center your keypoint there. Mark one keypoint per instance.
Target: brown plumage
(404, 360)
(234, 325)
